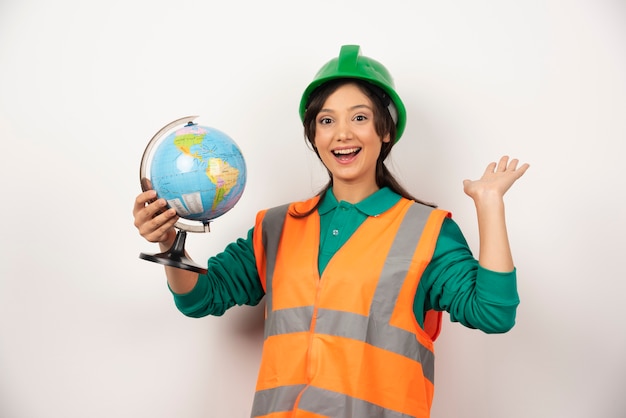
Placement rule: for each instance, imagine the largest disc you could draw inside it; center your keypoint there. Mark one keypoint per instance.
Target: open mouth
(346, 154)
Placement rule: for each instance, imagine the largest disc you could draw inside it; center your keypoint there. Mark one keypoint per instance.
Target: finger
(503, 163)
(164, 221)
(513, 164)
(520, 171)
(156, 208)
(490, 169)
(142, 199)
(159, 235)
(145, 212)
(143, 216)
(517, 172)
(155, 228)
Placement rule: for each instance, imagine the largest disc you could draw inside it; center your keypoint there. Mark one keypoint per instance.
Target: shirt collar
(373, 205)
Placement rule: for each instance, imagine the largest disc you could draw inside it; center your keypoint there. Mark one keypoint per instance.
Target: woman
(356, 277)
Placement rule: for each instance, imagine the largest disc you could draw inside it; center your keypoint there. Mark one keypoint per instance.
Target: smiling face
(347, 141)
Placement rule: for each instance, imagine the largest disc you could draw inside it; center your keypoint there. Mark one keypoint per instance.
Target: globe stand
(175, 256)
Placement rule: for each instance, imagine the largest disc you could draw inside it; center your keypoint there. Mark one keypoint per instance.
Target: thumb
(467, 187)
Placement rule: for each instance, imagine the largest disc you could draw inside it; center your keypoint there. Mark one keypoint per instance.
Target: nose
(343, 131)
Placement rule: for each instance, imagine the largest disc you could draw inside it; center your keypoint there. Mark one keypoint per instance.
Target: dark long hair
(383, 123)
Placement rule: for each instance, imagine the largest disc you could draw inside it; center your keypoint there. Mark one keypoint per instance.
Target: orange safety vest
(346, 344)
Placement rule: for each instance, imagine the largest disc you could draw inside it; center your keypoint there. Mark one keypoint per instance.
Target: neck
(353, 193)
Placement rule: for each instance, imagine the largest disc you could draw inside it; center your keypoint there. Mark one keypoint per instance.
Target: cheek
(321, 139)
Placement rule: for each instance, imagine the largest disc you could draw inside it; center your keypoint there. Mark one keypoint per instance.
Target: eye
(324, 120)
(360, 118)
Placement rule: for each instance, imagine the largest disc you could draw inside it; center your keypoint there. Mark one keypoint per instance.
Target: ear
(387, 138)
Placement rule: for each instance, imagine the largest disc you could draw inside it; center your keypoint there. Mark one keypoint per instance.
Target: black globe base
(175, 256)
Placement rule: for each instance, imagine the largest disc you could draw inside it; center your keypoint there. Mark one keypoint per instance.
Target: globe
(201, 173)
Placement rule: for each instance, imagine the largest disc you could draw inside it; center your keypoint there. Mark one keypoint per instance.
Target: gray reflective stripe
(286, 321)
(278, 399)
(392, 277)
(272, 225)
(356, 327)
(398, 261)
(318, 401)
(377, 333)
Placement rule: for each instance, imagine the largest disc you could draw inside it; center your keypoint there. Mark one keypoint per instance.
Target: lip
(346, 155)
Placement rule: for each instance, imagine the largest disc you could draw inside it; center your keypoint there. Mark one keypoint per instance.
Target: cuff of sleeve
(188, 301)
(496, 287)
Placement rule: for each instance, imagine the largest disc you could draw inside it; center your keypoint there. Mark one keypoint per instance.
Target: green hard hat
(351, 64)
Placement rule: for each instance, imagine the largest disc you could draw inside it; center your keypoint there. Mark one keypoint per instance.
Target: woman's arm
(232, 278)
(454, 282)
(488, 195)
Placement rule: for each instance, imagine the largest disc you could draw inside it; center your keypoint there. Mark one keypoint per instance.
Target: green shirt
(453, 281)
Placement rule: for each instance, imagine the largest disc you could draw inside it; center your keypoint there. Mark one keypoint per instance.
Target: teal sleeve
(456, 283)
(232, 279)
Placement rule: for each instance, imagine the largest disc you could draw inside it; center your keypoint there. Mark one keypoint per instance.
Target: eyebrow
(356, 107)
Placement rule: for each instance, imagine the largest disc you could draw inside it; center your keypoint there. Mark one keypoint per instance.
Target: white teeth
(346, 151)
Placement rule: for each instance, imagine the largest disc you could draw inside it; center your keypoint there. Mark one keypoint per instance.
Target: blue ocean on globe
(200, 171)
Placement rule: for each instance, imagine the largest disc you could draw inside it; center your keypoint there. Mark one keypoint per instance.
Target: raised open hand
(496, 179)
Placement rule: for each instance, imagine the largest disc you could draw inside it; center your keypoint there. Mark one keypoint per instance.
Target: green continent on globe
(224, 176)
(185, 141)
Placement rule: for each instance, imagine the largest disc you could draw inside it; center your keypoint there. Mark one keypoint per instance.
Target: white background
(87, 329)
